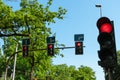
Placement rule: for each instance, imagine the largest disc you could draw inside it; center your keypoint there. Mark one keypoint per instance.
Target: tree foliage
(63, 72)
(116, 75)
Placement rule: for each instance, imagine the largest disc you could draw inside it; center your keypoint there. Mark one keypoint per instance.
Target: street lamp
(99, 6)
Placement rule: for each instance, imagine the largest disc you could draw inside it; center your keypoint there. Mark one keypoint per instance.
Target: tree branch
(7, 35)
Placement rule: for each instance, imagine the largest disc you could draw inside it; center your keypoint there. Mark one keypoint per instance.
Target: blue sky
(81, 18)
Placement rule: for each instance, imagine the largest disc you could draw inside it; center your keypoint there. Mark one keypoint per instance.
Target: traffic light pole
(56, 48)
(109, 74)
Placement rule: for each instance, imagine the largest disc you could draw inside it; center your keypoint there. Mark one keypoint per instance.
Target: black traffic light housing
(50, 49)
(106, 40)
(50, 45)
(25, 50)
(78, 47)
(25, 46)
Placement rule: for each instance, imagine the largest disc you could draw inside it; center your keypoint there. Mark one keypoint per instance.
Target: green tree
(2, 63)
(63, 72)
(116, 75)
(60, 72)
(30, 21)
(118, 57)
(86, 73)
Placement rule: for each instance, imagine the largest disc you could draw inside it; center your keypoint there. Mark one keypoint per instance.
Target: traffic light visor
(104, 25)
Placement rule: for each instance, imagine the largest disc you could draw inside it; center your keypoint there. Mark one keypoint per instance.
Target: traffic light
(106, 39)
(78, 47)
(50, 45)
(25, 46)
(25, 50)
(50, 49)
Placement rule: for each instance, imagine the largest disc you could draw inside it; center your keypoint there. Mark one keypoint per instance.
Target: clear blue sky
(81, 19)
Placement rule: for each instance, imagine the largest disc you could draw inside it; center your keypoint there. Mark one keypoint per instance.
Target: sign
(26, 41)
(79, 37)
(50, 39)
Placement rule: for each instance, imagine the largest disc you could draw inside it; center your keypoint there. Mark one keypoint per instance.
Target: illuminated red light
(50, 46)
(78, 44)
(24, 48)
(107, 27)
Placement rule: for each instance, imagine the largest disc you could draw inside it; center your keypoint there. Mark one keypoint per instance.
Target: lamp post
(13, 76)
(99, 6)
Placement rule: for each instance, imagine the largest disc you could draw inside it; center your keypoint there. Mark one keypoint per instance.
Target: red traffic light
(104, 25)
(78, 48)
(78, 44)
(106, 28)
(50, 49)
(106, 40)
(50, 46)
(25, 48)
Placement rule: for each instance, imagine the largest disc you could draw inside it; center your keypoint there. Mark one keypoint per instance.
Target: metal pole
(110, 73)
(100, 12)
(6, 73)
(106, 74)
(13, 77)
(99, 6)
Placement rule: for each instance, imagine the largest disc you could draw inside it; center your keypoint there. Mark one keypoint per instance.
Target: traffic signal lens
(24, 48)
(105, 53)
(78, 44)
(105, 40)
(50, 46)
(106, 28)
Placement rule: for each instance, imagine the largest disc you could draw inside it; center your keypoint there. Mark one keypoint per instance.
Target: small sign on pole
(50, 39)
(26, 41)
(79, 37)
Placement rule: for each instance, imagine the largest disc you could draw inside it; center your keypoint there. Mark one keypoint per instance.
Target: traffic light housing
(78, 47)
(106, 40)
(25, 46)
(50, 49)
(25, 50)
